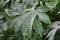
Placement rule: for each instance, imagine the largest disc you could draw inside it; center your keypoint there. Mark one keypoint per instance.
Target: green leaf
(17, 9)
(33, 38)
(52, 4)
(19, 6)
(19, 20)
(37, 26)
(55, 26)
(19, 35)
(24, 23)
(27, 25)
(51, 34)
(3, 26)
(43, 9)
(30, 2)
(44, 18)
(12, 12)
(46, 0)
(1, 16)
(17, 25)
